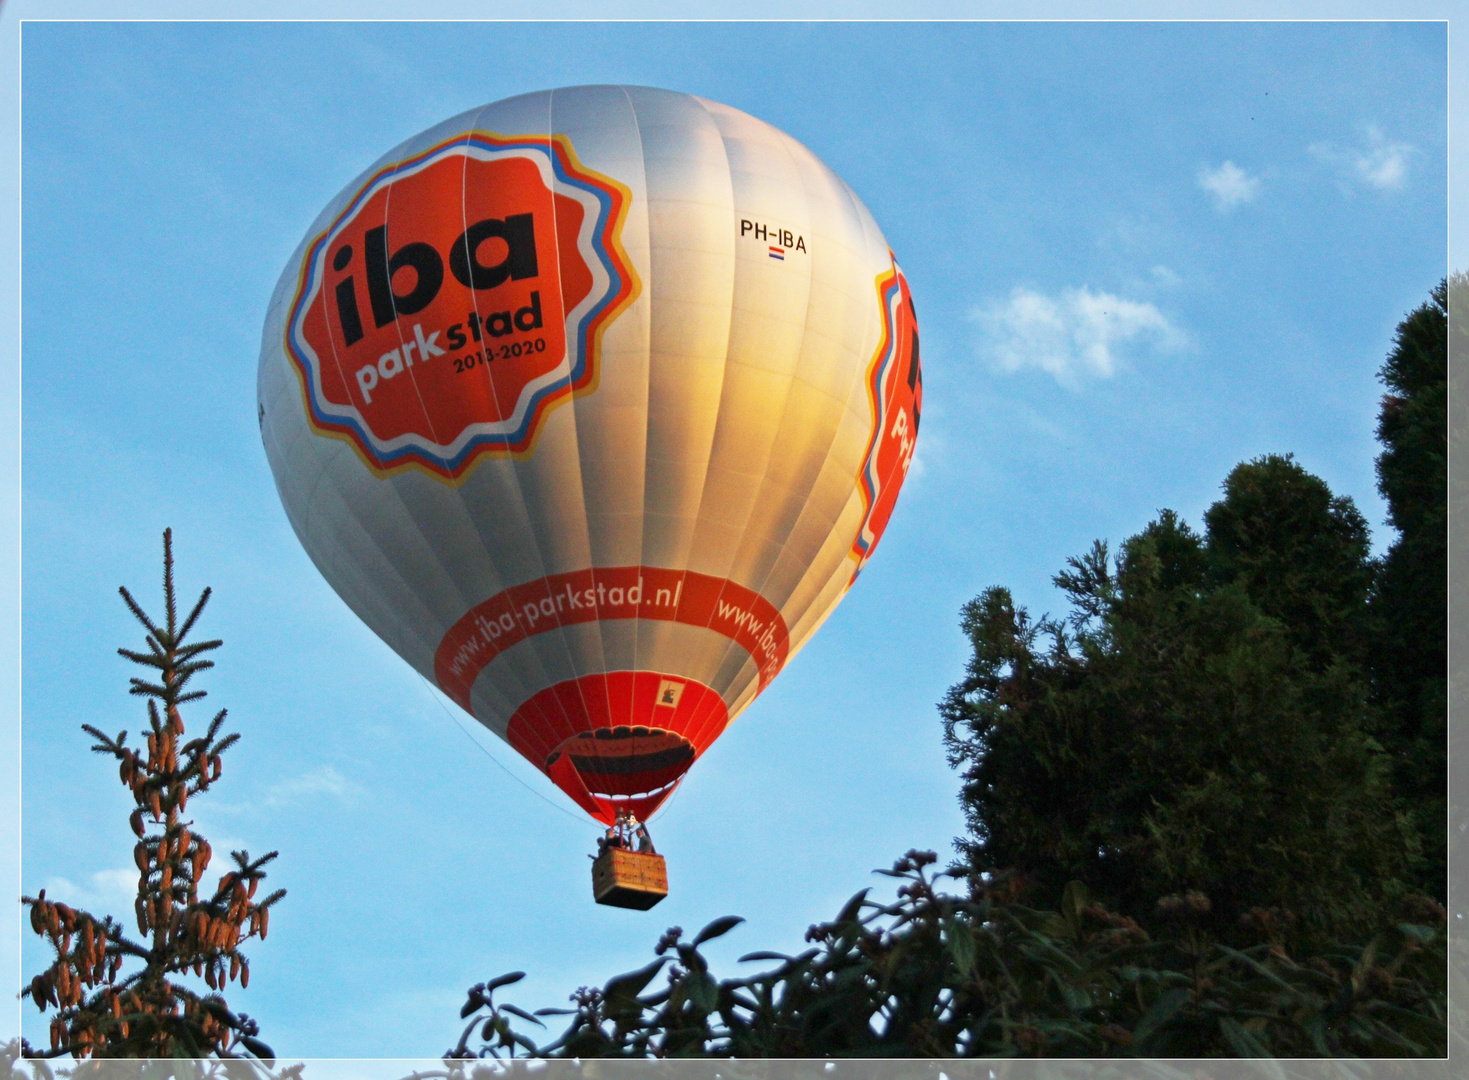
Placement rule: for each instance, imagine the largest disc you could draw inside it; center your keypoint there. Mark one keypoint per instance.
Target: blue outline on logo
(869, 485)
(511, 440)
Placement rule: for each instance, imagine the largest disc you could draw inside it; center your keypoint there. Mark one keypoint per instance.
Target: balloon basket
(629, 879)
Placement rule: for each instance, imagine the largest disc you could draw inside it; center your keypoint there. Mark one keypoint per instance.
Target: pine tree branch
(154, 659)
(193, 615)
(138, 612)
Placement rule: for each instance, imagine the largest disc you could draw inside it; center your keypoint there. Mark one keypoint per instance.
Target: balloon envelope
(592, 403)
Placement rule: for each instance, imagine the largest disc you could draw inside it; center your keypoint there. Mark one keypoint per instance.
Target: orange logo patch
(459, 297)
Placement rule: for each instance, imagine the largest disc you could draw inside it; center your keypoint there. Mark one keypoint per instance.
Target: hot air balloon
(592, 404)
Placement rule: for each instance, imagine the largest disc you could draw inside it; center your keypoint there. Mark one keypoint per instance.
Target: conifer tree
(1409, 655)
(1198, 722)
(145, 1012)
(1298, 551)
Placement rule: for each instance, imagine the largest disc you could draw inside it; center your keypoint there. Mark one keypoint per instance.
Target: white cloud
(1229, 184)
(1073, 335)
(1377, 162)
(107, 890)
(323, 781)
(1166, 277)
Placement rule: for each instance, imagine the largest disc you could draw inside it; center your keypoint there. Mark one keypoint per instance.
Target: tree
(1197, 721)
(1299, 552)
(1409, 631)
(100, 1010)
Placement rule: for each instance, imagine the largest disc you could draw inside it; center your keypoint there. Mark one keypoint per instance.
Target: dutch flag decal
(777, 253)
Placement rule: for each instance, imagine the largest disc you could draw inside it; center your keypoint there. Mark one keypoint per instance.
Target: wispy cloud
(1166, 277)
(323, 781)
(1229, 184)
(105, 890)
(1074, 335)
(1377, 162)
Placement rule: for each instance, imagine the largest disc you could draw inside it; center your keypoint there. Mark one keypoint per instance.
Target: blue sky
(1140, 254)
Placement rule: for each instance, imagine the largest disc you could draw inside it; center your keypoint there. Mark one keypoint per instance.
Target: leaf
(1055, 926)
(1364, 965)
(513, 1011)
(718, 928)
(1315, 1028)
(529, 1046)
(1073, 902)
(762, 956)
(851, 908)
(1076, 999)
(256, 1047)
(703, 991)
(1163, 1010)
(631, 984)
(474, 1002)
(1245, 1045)
(503, 980)
(1260, 968)
(961, 946)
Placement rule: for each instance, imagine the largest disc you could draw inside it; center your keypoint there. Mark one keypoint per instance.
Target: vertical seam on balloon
(473, 127)
(857, 378)
(494, 396)
(859, 375)
(680, 563)
(575, 436)
(393, 299)
(745, 529)
(320, 476)
(388, 481)
(839, 574)
(573, 344)
(637, 621)
(361, 592)
(723, 382)
(512, 463)
(760, 590)
(397, 325)
(683, 570)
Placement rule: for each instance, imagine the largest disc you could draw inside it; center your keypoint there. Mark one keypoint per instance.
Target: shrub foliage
(980, 975)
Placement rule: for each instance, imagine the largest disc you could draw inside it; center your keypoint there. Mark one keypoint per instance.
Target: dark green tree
(1194, 723)
(102, 1010)
(1300, 553)
(1409, 628)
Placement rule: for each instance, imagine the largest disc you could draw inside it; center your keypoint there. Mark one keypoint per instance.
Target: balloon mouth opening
(626, 762)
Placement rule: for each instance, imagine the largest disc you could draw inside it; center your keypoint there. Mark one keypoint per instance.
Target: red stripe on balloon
(617, 592)
(618, 699)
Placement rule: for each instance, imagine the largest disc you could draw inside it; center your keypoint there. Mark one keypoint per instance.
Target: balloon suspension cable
(485, 750)
(658, 815)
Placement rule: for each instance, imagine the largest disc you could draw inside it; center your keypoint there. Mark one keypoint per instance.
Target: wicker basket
(629, 879)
